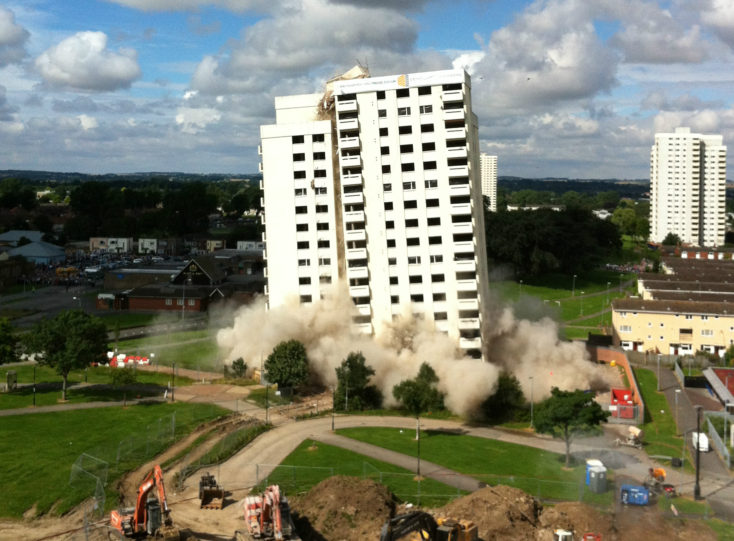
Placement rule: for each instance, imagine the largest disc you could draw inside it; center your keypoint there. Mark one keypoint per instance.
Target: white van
(700, 441)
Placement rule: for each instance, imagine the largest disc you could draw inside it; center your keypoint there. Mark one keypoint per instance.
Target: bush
(123, 376)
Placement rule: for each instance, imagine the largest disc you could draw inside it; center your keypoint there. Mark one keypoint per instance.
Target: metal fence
(89, 475)
(679, 374)
(714, 437)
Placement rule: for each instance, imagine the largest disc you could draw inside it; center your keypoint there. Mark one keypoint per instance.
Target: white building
(376, 182)
(688, 188)
(489, 179)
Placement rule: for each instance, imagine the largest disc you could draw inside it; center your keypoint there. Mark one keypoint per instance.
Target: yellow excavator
(426, 528)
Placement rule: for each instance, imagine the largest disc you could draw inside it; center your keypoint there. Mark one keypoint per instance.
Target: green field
(98, 389)
(196, 350)
(39, 450)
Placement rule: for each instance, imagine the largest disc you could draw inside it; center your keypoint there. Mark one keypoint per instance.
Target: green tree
(71, 340)
(729, 355)
(625, 219)
(420, 394)
(671, 239)
(239, 367)
(353, 381)
(287, 365)
(568, 413)
(123, 376)
(8, 342)
(642, 228)
(506, 402)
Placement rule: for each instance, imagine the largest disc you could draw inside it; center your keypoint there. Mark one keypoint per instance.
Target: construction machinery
(211, 495)
(149, 517)
(268, 516)
(565, 535)
(633, 439)
(655, 482)
(426, 528)
(634, 495)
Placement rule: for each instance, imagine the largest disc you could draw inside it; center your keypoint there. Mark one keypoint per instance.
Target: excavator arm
(401, 525)
(153, 479)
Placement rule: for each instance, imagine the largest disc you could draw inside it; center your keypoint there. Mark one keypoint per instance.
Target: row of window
(306, 280)
(416, 259)
(316, 138)
(319, 190)
(317, 173)
(323, 261)
(413, 222)
(304, 244)
(301, 156)
(320, 226)
(704, 332)
(687, 316)
(180, 302)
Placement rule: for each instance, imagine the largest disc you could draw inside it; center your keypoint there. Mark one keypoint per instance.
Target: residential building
(376, 183)
(688, 188)
(488, 166)
(673, 327)
(113, 245)
(147, 246)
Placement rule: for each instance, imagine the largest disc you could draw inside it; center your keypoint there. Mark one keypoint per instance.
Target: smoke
(524, 348)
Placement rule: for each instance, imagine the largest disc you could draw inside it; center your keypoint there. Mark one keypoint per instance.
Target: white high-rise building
(688, 188)
(376, 183)
(489, 179)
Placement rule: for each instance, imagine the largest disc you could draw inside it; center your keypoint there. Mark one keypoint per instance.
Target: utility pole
(531, 402)
(333, 399)
(173, 379)
(697, 488)
(573, 286)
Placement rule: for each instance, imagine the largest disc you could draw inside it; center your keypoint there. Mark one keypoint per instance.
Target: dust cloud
(522, 347)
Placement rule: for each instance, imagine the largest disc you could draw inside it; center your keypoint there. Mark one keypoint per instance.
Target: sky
(561, 88)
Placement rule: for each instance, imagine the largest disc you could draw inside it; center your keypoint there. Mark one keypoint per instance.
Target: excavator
(148, 517)
(268, 517)
(426, 528)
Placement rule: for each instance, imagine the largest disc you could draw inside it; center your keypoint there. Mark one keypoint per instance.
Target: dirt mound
(499, 512)
(343, 509)
(579, 518)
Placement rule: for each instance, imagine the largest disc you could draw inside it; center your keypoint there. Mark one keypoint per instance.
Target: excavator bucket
(211, 495)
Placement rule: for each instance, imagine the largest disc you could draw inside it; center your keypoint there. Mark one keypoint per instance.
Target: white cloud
(193, 120)
(719, 15)
(7, 111)
(88, 122)
(192, 5)
(655, 37)
(13, 38)
(83, 62)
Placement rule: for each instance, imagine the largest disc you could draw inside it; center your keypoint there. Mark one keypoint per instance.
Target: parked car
(700, 441)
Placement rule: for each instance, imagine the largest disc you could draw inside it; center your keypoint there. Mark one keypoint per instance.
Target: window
(300, 191)
(299, 174)
(434, 221)
(413, 222)
(381, 113)
(391, 243)
(318, 138)
(388, 205)
(392, 261)
(402, 92)
(434, 240)
(426, 128)
(324, 279)
(304, 262)
(409, 185)
(384, 151)
(324, 261)
(418, 279)
(424, 90)
(301, 209)
(319, 173)
(438, 258)
(319, 155)
(431, 183)
(704, 318)
(415, 241)
(688, 316)
(380, 94)
(403, 111)
(425, 109)
(383, 132)
(169, 302)
(305, 298)
(625, 328)
(404, 149)
(707, 332)
(405, 130)
(438, 278)
(390, 224)
(297, 139)
(299, 157)
(438, 297)
(429, 166)
(429, 146)
(322, 208)
(431, 202)
(302, 245)
(320, 190)
(323, 244)
(410, 204)
(393, 280)
(417, 297)
(394, 299)
(385, 169)
(322, 226)
(407, 167)
(387, 187)
(304, 280)
(440, 316)
(414, 260)
(301, 227)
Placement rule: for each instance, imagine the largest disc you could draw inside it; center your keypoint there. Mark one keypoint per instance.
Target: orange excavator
(148, 517)
(268, 516)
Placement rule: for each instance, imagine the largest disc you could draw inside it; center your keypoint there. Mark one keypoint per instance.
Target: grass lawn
(39, 450)
(196, 350)
(535, 471)
(127, 320)
(659, 428)
(311, 463)
(48, 386)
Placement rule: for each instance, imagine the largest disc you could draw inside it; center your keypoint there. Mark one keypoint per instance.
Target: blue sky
(572, 88)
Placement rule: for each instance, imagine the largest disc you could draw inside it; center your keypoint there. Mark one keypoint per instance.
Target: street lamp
(79, 300)
(697, 488)
(531, 402)
(333, 400)
(607, 299)
(346, 387)
(726, 414)
(573, 286)
(659, 355)
(581, 303)
(677, 426)
(520, 286)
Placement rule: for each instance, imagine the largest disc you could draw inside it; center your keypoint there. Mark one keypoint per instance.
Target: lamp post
(531, 402)
(677, 392)
(346, 387)
(173, 379)
(697, 488)
(573, 286)
(34, 385)
(418, 438)
(659, 355)
(521, 286)
(333, 399)
(726, 414)
(581, 303)
(267, 401)
(183, 301)
(79, 300)
(607, 299)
